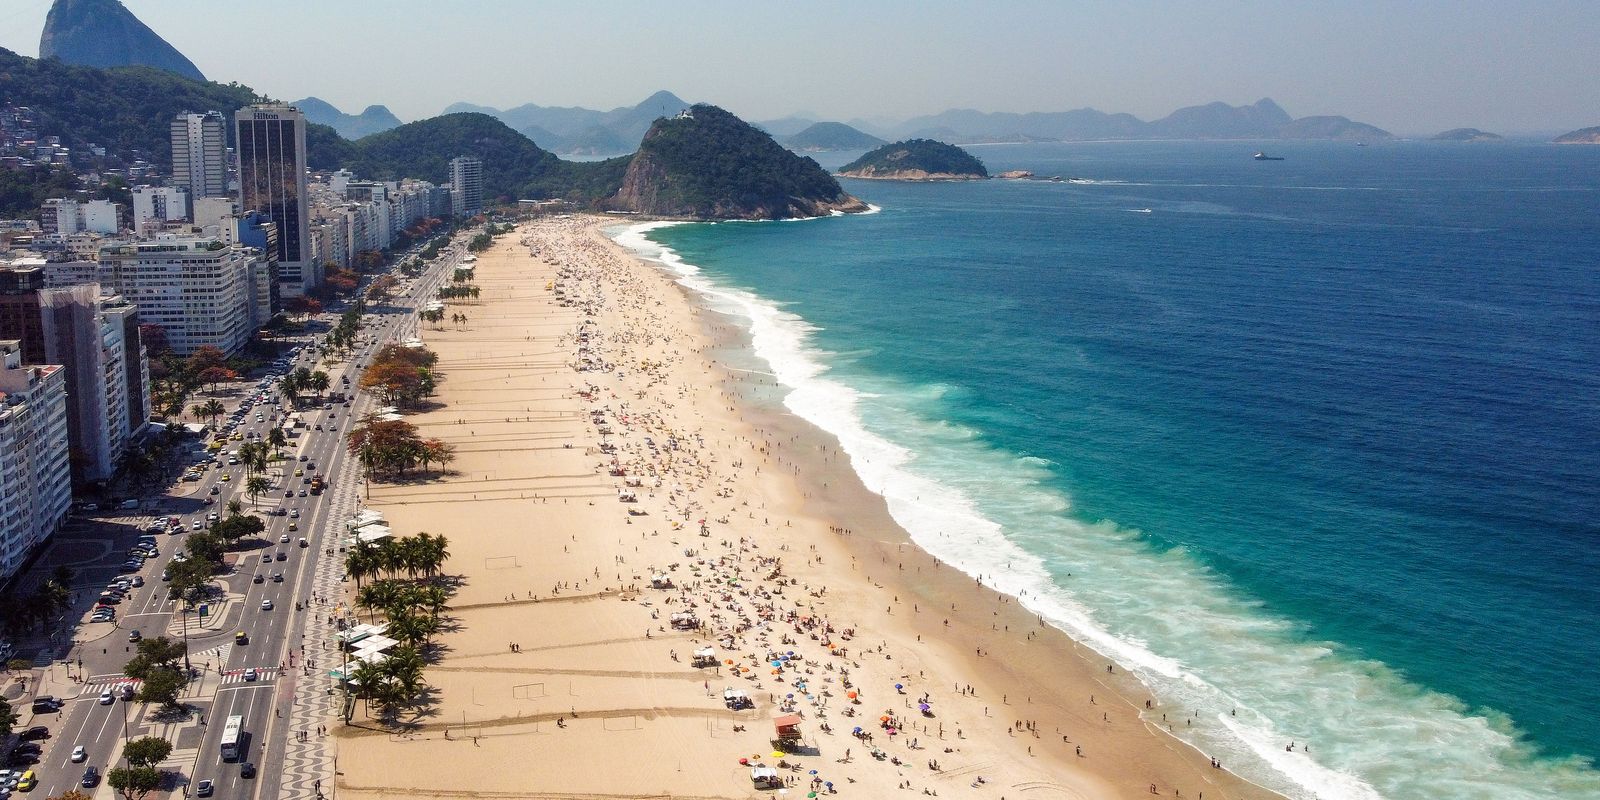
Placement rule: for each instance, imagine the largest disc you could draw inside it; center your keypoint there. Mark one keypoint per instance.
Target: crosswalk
(234, 676)
(114, 682)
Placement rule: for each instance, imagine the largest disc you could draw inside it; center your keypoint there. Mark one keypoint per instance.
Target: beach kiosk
(685, 621)
(765, 778)
(705, 657)
(736, 699)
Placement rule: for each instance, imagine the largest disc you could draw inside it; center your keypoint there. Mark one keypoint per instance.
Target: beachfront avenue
(244, 651)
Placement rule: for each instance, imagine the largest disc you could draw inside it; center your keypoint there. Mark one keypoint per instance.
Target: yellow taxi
(241, 638)
(27, 781)
(227, 477)
(298, 472)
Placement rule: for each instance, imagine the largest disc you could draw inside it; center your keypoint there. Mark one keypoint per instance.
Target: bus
(232, 732)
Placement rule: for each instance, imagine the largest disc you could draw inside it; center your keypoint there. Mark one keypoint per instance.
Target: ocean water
(1312, 446)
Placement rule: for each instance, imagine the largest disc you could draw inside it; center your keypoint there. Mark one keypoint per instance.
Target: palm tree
(319, 382)
(360, 563)
(256, 486)
(235, 508)
(376, 596)
(277, 439)
(214, 409)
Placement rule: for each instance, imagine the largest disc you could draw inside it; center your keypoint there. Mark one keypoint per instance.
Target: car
(34, 733)
(293, 526)
(284, 539)
(258, 579)
(90, 779)
(138, 580)
(133, 564)
(106, 697)
(298, 472)
(216, 490)
(266, 605)
(302, 493)
(277, 577)
(166, 575)
(226, 477)
(294, 513)
(109, 598)
(251, 674)
(27, 781)
(304, 543)
(103, 615)
(241, 638)
(288, 493)
(283, 556)
(120, 583)
(27, 749)
(204, 788)
(79, 754)
(302, 457)
(212, 517)
(134, 636)
(126, 691)
(247, 770)
(197, 524)
(305, 480)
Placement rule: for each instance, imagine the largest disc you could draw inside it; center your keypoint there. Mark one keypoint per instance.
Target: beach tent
(705, 657)
(765, 778)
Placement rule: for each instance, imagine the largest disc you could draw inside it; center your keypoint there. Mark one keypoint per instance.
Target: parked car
(34, 733)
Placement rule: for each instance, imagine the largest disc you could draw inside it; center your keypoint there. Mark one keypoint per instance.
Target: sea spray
(1180, 628)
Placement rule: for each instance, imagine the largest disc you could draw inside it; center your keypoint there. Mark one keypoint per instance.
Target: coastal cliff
(917, 160)
(1580, 136)
(706, 163)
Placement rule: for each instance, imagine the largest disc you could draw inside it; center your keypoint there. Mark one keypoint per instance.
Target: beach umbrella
(857, 730)
(744, 761)
(790, 695)
(851, 695)
(924, 706)
(777, 754)
(883, 719)
(813, 772)
(811, 794)
(898, 686)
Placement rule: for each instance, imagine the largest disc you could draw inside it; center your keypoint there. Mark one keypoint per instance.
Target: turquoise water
(1312, 446)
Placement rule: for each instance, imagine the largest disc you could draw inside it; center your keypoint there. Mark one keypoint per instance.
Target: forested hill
(916, 159)
(126, 110)
(513, 166)
(707, 163)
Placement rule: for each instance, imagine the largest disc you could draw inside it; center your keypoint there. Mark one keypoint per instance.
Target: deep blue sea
(1312, 445)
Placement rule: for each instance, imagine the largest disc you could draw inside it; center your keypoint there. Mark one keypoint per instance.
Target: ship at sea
(1260, 156)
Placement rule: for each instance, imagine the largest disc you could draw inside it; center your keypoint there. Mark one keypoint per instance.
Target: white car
(106, 698)
(196, 525)
(79, 755)
(266, 605)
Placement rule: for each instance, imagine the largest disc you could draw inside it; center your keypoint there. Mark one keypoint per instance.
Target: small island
(917, 160)
(1467, 135)
(1580, 136)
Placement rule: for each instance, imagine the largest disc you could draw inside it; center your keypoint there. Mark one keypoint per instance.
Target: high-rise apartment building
(198, 289)
(200, 154)
(35, 479)
(154, 206)
(271, 145)
(96, 339)
(466, 186)
(66, 217)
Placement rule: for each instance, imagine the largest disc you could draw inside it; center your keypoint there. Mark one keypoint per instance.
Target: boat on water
(1260, 156)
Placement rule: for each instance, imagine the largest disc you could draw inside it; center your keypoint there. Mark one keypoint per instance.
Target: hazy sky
(1416, 67)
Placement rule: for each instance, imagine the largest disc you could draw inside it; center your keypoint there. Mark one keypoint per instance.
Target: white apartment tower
(197, 289)
(466, 186)
(35, 477)
(200, 154)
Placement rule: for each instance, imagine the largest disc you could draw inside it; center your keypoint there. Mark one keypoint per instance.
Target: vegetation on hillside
(915, 155)
(709, 163)
(513, 166)
(123, 109)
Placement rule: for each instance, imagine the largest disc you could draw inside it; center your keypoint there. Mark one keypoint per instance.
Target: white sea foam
(1160, 614)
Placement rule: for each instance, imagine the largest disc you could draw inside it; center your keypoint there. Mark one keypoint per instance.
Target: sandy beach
(615, 507)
